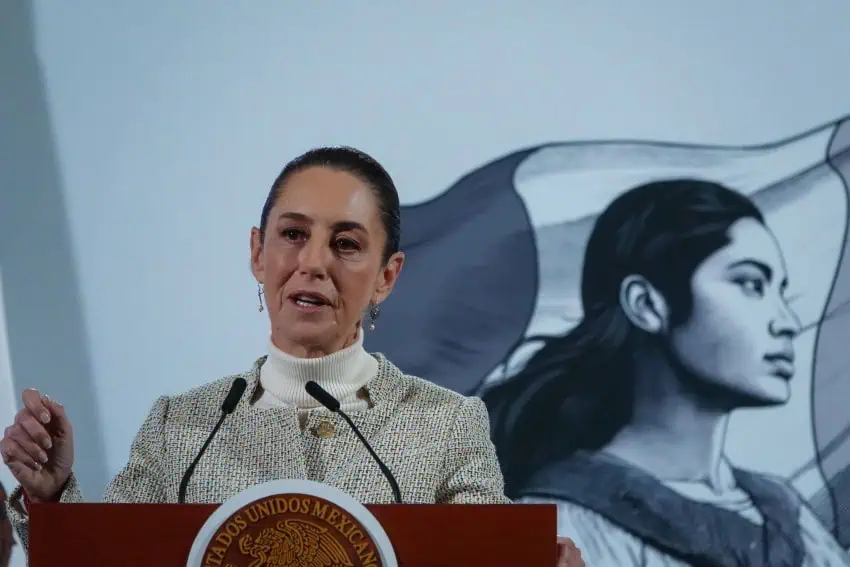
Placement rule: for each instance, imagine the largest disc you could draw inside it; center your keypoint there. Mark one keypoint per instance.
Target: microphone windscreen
(234, 395)
(322, 396)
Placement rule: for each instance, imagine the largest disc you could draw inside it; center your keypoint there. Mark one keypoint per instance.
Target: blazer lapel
(267, 440)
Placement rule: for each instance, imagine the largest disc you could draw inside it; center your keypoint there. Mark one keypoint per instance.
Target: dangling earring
(260, 296)
(374, 313)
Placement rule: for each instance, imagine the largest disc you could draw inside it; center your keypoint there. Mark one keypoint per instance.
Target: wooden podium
(161, 535)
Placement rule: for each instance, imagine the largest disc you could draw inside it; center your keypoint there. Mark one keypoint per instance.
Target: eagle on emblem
(294, 543)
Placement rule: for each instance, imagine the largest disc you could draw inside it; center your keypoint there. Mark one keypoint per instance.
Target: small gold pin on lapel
(324, 429)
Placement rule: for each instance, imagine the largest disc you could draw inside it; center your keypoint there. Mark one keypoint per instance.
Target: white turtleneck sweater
(344, 374)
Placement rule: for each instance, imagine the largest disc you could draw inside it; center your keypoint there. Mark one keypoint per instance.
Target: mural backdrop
(633, 345)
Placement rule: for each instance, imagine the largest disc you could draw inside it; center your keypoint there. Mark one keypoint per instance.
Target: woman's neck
(317, 350)
(674, 434)
(342, 374)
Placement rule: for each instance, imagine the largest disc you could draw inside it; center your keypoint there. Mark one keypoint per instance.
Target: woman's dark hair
(576, 392)
(357, 163)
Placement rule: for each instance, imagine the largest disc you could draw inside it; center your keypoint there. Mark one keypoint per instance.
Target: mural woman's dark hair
(576, 391)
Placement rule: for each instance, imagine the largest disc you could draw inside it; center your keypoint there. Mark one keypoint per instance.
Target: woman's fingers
(35, 404)
(15, 455)
(33, 433)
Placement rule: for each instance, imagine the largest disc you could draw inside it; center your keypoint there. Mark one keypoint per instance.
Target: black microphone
(323, 397)
(233, 397)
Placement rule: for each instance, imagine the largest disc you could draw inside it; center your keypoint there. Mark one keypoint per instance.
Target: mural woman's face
(740, 334)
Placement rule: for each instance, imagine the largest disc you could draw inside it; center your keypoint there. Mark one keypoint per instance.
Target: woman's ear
(645, 307)
(388, 276)
(257, 265)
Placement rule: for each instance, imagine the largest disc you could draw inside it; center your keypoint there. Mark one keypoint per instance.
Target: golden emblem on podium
(293, 529)
(293, 543)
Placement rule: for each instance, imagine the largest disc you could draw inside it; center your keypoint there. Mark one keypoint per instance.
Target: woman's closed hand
(568, 554)
(39, 447)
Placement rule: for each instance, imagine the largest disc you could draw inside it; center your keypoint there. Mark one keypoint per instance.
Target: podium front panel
(423, 535)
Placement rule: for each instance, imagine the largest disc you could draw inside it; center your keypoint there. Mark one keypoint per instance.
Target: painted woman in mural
(622, 420)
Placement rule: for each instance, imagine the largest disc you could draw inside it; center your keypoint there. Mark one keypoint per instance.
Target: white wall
(171, 120)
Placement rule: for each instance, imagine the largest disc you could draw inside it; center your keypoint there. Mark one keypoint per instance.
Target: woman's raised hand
(39, 447)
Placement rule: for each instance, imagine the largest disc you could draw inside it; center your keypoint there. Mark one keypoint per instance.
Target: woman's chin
(769, 391)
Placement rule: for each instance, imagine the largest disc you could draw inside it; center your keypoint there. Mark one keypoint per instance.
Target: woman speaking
(326, 255)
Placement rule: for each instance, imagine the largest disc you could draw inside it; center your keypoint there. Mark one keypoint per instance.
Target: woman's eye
(346, 244)
(753, 286)
(292, 233)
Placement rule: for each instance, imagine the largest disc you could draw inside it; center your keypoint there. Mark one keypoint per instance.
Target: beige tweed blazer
(435, 441)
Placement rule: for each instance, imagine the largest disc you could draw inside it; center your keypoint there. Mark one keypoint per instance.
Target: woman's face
(739, 337)
(321, 261)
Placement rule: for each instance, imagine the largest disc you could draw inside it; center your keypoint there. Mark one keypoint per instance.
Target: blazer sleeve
(140, 481)
(471, 470)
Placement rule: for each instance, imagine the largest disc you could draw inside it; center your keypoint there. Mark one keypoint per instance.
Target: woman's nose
(785, 323)
(314, 258)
